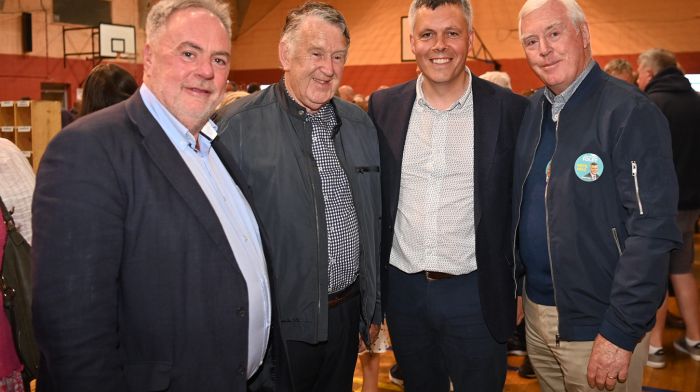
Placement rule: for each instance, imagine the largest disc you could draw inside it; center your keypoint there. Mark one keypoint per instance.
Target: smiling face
(556, 49)
(186, 65)
(594, 168)
(441, 40)
(313, 60)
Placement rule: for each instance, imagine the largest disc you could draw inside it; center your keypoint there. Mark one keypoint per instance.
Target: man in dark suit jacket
(150, 272)
(446, 145)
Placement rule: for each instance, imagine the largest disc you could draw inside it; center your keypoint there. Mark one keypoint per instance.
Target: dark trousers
(329, 365)
(438, 334)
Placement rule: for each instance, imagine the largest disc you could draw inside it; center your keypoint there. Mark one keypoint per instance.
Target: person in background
(668, 88)
(594, 251)
(498, 77)
(446, 143)
(150, 272)
(312, 163)
(621, 69)
(231, 96)
(252, 88)
(106, 85)
(359, 100)
(17, 180)
(346, 93)
(370, 358)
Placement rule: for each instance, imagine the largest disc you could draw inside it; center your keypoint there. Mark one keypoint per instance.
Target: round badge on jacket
(589, 167)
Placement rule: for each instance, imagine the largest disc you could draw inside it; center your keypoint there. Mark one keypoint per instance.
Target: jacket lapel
(396, 134)
(164, 156)
(487, 121)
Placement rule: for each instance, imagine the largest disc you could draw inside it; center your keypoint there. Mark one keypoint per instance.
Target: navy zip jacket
(608, 236)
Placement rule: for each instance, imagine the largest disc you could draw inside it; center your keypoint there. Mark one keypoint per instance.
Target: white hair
(572, 9)
(159, 14)
(500, 78)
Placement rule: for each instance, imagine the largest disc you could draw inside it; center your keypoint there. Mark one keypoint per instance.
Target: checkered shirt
(341, 218)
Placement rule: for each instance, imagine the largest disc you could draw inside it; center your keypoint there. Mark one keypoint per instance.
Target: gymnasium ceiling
(617, 26)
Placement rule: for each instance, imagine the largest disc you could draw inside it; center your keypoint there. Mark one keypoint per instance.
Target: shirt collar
(320, 113)
(178, 134)
(558, 101)
(460, 103)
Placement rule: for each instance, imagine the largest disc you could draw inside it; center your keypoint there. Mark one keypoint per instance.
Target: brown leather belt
(432, 275)
(349, 292)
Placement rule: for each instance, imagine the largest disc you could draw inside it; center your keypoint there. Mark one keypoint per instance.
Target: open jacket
(268, 135)
(609, 239)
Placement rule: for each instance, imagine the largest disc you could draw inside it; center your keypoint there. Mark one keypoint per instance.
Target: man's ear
(284, 52)
(147, 56)
(586, 35)
(413, 43)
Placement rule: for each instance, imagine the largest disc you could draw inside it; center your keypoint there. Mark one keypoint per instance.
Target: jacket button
(241, 311)
(241, 369)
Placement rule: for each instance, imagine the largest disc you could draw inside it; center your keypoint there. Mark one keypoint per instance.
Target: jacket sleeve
(648, 190)
(78, 217)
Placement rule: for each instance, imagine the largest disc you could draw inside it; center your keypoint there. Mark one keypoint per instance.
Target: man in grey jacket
(312, 163)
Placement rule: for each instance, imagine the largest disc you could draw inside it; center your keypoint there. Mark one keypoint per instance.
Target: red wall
(366, 78)
(21, 76)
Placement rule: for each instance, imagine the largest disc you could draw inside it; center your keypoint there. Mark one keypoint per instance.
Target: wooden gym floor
(680, 374)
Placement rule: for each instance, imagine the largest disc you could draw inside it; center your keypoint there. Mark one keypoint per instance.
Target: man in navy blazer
(446, 146)
(150, 271)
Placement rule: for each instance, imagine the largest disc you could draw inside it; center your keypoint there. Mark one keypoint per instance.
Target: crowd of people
(188, 235)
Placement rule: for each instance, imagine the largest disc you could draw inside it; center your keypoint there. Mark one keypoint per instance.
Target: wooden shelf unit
(30, 125)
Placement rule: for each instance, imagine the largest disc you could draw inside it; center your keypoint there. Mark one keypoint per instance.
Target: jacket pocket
(147, 376)
(367, 169)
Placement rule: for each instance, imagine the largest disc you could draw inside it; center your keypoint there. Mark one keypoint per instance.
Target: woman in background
(106, 85)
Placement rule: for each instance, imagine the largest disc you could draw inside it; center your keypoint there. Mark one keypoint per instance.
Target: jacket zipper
(636, 187)
(312, 165)
(546, 216)
(520, 204)
(617, 241)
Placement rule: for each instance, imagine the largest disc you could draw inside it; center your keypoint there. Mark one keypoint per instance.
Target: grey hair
(320, 10)
(498, 77)
(433, 4)
(657, 59)
(619, 66)
(159, 14)
(572, 9)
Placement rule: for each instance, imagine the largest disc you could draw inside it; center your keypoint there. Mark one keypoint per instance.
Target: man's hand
(607, 365)
(520, 313)
(373, 332)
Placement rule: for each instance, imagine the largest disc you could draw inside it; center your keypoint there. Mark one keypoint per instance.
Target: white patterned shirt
(17, 186)
(434, 227)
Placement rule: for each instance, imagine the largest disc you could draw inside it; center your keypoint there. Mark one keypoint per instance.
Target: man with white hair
(594, 249)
